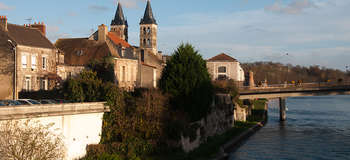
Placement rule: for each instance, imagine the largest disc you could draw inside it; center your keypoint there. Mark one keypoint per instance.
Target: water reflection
(316, 128)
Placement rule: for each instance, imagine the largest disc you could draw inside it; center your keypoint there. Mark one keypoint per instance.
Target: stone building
(28, 59)
(223, 66)
(133, 66)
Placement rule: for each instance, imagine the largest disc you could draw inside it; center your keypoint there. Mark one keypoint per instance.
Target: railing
(297, 85)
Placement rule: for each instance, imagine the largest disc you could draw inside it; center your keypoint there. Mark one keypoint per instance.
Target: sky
(298, 32)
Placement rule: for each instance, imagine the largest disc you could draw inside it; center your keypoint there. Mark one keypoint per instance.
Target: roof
(222, 57)
(119, 18)
(116, 40)
(28, 36)
(148, 17)
(81, 51)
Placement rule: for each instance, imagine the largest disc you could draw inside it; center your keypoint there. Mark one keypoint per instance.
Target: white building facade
(223, 67)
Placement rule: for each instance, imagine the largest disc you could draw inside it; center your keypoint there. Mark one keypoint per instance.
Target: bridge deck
(306, 89)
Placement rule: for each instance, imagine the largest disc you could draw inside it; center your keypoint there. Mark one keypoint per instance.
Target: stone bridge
(79, 123)
(282, 91)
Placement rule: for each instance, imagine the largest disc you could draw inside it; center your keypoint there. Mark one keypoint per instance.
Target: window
(148, 30)
(123, 52)
(142, 56)
(27, 83)
(124, 78)
(44, 62)
(43, 84)
(222, 69)
(24, 61)
(222, 77)
(144, 30)
(154, 78)
(144, 42)
(148, 42)
(80, 52)
(33, 62)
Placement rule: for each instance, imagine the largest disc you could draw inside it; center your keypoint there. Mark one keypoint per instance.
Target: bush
(22, 140)
(104, 69)
(186, 79)
(135, 122)
(87, 87)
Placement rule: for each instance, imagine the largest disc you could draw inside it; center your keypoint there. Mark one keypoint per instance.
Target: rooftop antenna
(29, 20)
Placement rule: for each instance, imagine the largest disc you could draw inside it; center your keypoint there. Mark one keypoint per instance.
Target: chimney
(102, 33)
(3, 23)
(40, 26)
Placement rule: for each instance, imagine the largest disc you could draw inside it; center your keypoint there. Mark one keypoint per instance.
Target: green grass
(259, 104)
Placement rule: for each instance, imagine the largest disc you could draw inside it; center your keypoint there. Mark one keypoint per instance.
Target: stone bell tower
(119, 24)
(148, 31)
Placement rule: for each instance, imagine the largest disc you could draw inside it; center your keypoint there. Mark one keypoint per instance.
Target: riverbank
(218, 147)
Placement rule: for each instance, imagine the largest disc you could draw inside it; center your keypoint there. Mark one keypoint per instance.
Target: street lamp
(15, 69)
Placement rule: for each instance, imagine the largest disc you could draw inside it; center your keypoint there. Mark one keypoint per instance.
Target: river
(317, 128)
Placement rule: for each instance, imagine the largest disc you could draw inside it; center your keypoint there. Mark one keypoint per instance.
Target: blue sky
(312, 32)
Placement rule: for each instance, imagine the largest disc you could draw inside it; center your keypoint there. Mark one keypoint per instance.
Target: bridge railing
(298, 85)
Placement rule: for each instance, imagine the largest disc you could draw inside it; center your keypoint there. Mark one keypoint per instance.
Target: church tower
(119, 24)
(148, 31)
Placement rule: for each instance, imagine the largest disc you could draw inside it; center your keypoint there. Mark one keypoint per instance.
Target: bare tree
(29, 140)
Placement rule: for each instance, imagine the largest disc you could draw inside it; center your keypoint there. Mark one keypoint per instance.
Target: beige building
(35, 58)
(133, 66)
(223, 66)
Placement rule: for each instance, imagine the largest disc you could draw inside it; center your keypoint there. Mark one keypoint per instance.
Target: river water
(317, 128)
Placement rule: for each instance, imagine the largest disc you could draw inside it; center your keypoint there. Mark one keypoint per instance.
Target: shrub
(23, 140)
(135, 122)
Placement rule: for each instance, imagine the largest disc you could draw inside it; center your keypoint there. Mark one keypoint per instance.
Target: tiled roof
(222, 57)
(28, 36)
(81, 51)
(116, 40)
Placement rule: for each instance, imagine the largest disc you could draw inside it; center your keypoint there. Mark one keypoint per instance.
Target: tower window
(144, 30)
(148, 30)
(144, 42)
(148, 42)
(142, 56)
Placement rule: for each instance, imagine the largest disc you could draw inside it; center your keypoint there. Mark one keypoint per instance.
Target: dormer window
(80, 52)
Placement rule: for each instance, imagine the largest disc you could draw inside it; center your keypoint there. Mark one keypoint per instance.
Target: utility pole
(14, 48)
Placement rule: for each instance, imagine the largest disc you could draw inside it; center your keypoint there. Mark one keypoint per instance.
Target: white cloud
(134, 4)
(5, 7)
(320, 36)
(295, 7)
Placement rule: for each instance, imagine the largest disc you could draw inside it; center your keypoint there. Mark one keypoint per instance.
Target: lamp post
(15, 69)
(287, 54)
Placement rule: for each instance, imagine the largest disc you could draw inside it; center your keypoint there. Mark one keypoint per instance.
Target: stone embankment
(235, 143)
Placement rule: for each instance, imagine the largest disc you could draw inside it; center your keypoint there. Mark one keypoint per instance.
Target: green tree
(187, 80)
(87, 87)
(104, 69)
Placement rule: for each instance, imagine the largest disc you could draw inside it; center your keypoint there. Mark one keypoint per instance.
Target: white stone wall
(79, 123)
(218, 121)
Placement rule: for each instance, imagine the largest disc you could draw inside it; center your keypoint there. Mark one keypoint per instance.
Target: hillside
(277, 73)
